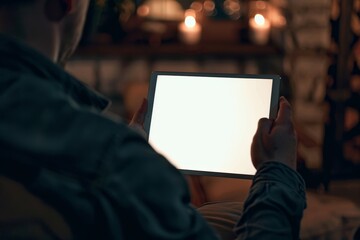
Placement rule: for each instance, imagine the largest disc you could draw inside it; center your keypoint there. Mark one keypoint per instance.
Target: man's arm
(275, 205)
(149, 197)
(276, 201)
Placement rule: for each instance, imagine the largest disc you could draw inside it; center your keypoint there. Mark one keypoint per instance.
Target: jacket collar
(16, 56)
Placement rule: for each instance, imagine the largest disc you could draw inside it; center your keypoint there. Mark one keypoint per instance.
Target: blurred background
(312, 44)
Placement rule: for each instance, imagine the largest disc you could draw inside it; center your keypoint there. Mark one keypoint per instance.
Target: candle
(190, 12)
(190, 30)
(259, 29)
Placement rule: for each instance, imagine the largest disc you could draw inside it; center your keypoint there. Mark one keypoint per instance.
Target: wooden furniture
(341, 154)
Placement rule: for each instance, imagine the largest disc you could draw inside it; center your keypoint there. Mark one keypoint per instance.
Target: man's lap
(222, 216)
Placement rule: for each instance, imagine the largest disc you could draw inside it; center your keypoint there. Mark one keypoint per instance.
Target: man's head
(53, 27)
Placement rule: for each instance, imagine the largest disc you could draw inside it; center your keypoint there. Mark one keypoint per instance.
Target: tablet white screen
(207, 123)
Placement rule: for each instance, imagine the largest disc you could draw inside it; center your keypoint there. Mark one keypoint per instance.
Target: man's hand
(137, 122)
(275, 140)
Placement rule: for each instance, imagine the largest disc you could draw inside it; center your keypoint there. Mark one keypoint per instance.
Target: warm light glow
(143, 10)
(279, 21)
(260, 5)
(197, 6)
(209, 6)
(259, 19)
(190, 12)
(161, 10)
(190, 21)
(232, 8)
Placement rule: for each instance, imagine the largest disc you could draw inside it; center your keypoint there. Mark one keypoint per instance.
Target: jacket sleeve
(274, 207)
(149, 197)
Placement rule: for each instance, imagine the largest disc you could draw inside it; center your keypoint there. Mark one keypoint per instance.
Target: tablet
(204, 123)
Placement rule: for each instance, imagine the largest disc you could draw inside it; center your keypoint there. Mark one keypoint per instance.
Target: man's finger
(139, 116)
(258, 146)
(285, 113)
(264, 126)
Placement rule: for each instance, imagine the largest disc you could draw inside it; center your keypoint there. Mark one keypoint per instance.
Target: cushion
(24, 216)
(222, 216)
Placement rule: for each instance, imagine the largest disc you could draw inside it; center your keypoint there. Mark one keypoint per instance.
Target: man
(101, 176)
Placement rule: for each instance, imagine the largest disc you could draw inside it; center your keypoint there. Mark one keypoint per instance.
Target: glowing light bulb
(190, 21)
(259, 19)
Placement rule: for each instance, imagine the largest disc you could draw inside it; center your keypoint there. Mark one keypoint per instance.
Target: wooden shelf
(178, 50)
(219, 38)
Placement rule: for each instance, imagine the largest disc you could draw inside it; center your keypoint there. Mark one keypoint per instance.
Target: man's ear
(55, 10)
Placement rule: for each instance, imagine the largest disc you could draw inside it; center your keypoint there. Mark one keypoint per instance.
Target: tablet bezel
(273, 108)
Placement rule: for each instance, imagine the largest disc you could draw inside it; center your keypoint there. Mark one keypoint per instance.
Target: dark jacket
(102, 176)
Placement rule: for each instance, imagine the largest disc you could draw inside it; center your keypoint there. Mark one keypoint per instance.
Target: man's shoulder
(39, 117)
(18, 86)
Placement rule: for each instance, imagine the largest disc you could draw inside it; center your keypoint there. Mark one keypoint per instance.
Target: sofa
(326, 217)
